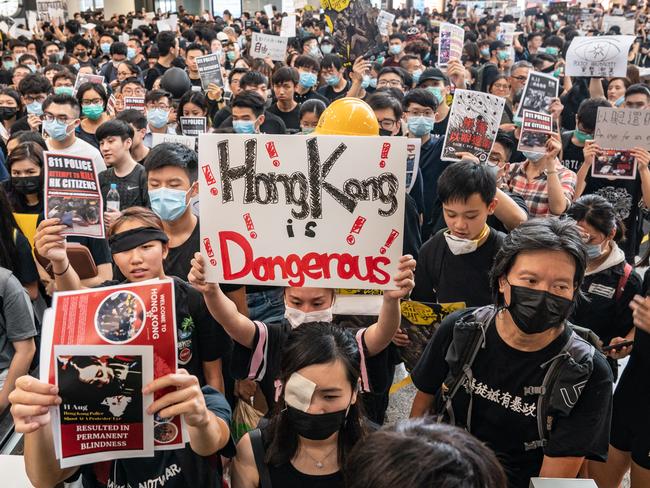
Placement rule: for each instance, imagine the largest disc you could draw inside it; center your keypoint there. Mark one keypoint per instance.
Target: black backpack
(566, 374)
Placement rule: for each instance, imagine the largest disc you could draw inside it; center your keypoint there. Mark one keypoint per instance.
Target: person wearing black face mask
(520, 363)
(10, 109)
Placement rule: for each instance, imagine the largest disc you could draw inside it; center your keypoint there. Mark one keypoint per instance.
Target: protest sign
(614, 164)
(412, 162)
(189, 141)
(87, 78)
(107, 319)
(72, 194)
(288, 27)
(209, 70)
(539, 92)
(419, 321)
(598, 56)
(288, 7)
(451, 43)
(384, 22)
(302, 210)
(135, 103)
(102, 414)
(268, 10)
(193, 126)
(536, 128)
(622, 128)
(266, 45)
(625, 25)
(473, 124)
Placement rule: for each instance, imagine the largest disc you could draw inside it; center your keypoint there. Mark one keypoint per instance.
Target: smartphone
(616, 347)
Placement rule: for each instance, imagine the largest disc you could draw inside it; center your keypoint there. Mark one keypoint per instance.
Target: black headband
(133, 238)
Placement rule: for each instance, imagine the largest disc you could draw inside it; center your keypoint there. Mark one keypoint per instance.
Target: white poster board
(600, 56)
(622, 128)
(302, 210)
(288, 27)
(384, 21)
(266, 45)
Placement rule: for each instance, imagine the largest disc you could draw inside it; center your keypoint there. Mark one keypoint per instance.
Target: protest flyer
(133, 314)
(412, 162)
(622, 128)
(451, 43)
(384, 22)
(536, 128)
(87, 78)
(614, 164)
(72, 194)
(267, 45)
(539, 92)
(209, 70)
(288, 26)
(598, 56)
(302, 210)
(102, 414)
(473, 125)
(134, 103)
(193, 126)
(189, 141)
(419, 321)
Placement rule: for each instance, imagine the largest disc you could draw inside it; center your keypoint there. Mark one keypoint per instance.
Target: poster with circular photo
(165, 432)
(120, 317)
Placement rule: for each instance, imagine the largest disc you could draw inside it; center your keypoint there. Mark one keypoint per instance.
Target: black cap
(433, 74)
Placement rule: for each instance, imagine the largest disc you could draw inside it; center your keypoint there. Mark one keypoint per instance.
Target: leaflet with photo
(193, 126)
(87, 78)
(614, 164)
(134, 103)
(209, 70)
(102, 414)
(536, 128)
(72, 194)
(539, 92)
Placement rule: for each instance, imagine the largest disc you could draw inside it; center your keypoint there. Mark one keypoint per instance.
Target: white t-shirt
(83, 149)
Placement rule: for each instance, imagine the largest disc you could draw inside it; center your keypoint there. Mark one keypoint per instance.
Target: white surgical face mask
(297, 317)
(458, 245)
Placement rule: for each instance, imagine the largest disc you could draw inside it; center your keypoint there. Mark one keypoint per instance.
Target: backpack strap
(627, 271)
(258, 453)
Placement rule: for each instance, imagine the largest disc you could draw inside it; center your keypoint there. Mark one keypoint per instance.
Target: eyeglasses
(417, 113)
(519, 78)
(94, 101)
(387, 124)
(161, 106)
(62, 119)
(494, 162)
(500, 86)
(35, 98)
(133, 92)
(392, 83)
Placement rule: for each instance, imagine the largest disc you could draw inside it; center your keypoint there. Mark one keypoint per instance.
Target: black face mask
(316, 427)
(26, 184)
(385, 132)
(535, 311)
(7, 112)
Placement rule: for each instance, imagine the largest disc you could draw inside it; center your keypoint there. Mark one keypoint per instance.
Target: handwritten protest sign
(598, 56)
(622, 128)
(539, 92)
(124, 330)
(266, 45)
(412, 162)
(614, 164)
(625, 25)
(134, 103)
(384, 22)
(193, 126)
(268, 10)
(189, 141)
(209, 70)
(473, 125)
(536, 128)
(451, 43)
(72, 194)
(302, 210)
(288, 26)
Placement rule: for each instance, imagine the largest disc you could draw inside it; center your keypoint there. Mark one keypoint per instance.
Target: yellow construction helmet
(348, 117)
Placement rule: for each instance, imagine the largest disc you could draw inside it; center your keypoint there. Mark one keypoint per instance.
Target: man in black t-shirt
(167, 52)
(535, 277)
(336, 86)
(573, 142)
(285, 80)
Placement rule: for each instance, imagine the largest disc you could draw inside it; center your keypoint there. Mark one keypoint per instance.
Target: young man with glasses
(158, 105)
(60, 120)
(393, 77)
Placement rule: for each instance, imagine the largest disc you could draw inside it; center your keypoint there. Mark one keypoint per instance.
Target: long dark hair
(8, 228)
(30, 151)
(599, 213)
(316, 343)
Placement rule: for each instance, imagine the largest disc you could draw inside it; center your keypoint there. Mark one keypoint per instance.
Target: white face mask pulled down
(297, 317)
(458, 245)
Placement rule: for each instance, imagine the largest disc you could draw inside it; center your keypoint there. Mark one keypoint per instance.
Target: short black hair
(236, 71)
(396, 36)
(384, 100)
(407, 81)
(134, 117)
(165, 41)
(156, 95)
(459, 181)
(588, 112)
(119, 48)
(253, 78)
(286, 73)
(63, 99)
(506, 141)
(638, 89)
(249, 99)
(307, 61)
(114, 127)
(97, 87)
(421, 96)
(332, 61)
(28, 136)
(314, 106)
(34, 83)
(195, 46)
(173, 154)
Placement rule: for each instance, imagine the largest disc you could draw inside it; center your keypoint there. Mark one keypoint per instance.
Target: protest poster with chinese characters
(267, 45)
(72, 194)
(622, 128)
(473, 125)
(302, 210)
(598, 56)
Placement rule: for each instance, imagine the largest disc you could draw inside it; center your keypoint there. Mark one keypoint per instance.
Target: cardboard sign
(412, 162)
(536, 128)
(72, 194)
(598, 56)
(288, 27)
(473, 124)
(451, 43)
(268, 10)
(302, 210)
(614, 164)
(134, 103)
(117, 325)
(87, 78)
(622, 128)
(539, 92)
(209, 70)
(384, 22)
(189, 141)
(193, 126)
(266, 45)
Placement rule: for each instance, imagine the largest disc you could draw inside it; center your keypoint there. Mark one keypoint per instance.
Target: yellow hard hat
(348, 117)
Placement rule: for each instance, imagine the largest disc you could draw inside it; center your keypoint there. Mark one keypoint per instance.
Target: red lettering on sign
(391, 238)
(356, 229)
(248, 220)
(270, 149)
(207, 173)
(385, 148)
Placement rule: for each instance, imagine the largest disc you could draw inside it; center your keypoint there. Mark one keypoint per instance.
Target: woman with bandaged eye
(317, 419)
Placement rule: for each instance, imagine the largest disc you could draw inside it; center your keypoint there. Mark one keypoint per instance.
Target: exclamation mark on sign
(391, 238)
(273, 153)
(385, 149)
(356, 229)
(250, 226)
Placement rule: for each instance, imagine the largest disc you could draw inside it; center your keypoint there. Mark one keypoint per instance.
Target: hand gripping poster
(473, 125)
(302, 210)
(127, 335)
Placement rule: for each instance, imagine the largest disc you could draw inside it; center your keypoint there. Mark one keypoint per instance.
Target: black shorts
(630, 419)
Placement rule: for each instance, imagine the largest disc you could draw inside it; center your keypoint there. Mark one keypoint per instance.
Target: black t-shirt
(572, 155)
(440, 128)
(25, 268)
(431, 167)
(132, 187)
(504, 417)
(272, 124)
(291, 119)
(332, 95)
(87, 137)
(220, 116)
(178, 468)
(444, 277)
(310, 95)
(159, 70)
